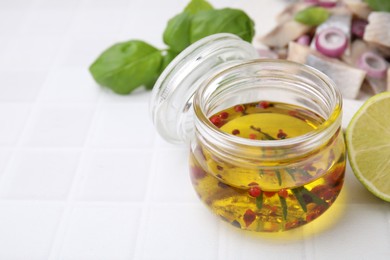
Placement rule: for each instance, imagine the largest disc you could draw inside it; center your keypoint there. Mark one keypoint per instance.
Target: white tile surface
(98, 22)
(69, 85)
(21, 85)
(123, 126)
(97, 233)
(40, 54)
(13, 118)
(114, 176)
(4, 158)
(27, 231)
(172, 185)
(61, 126)
(175, 231)
(83, 173)
(243, 245)
(80, 49)
(11, 21)
(50, 5)
(363, 223)
(16, 5)
(47, 22)
(39, 175)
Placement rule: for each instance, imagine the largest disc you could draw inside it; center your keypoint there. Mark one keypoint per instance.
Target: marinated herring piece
(378, 29)
(348, 79)
(358, 8)
(284, 33)
(358, 49)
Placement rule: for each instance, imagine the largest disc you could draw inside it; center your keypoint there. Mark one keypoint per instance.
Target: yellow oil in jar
(274, 196)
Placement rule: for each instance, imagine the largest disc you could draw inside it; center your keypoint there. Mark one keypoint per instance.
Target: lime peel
(368, 151)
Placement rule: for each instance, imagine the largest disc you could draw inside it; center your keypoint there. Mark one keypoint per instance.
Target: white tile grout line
(144, 219)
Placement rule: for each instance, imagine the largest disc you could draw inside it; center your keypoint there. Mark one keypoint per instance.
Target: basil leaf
(379, 5)
(167, 58)
(312, 16)
(196, 6)
(126, 66)
(221, 20)
(176, 34)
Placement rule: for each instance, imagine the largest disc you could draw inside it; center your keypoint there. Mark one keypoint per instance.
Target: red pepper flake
(236, 132)
(264, 104)
(216, 120)
(224, 115)
(249, 217)
(283, 193)
(239, 108)
(254, 191)
(317, 211)
(269, 193)
(252, 136)
(220, 168)
(281, 134)
(311, 216)
(292, 224)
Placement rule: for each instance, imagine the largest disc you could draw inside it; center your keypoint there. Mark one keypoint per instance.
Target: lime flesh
(368, 143)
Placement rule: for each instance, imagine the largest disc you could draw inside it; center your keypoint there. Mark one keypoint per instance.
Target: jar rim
(172, 95)
(324, 129)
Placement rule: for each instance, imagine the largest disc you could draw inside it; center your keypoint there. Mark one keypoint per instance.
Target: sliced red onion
(373, 64)
(331, 42)
(304, 40)
(327, 3)
(311, 1)
(266, 54)
(358, 27)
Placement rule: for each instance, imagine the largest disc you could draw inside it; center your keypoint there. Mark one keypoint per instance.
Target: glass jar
(266, 147)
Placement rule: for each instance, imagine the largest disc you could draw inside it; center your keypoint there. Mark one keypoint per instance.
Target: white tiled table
(83, 175)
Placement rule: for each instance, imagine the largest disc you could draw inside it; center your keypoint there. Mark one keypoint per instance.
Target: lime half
(368, 143)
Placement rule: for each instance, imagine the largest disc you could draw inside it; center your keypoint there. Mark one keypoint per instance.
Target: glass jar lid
(172, 95)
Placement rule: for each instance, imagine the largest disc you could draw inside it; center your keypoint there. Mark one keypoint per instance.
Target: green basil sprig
(222, 20)
(196, 6)
(312, 16)
(126, 66)
(379, 5)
